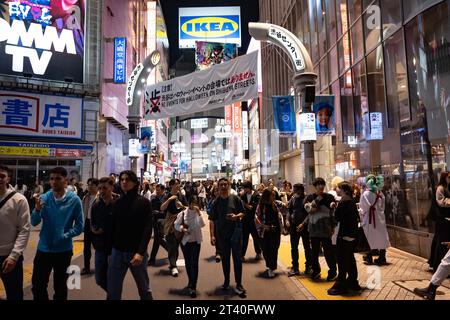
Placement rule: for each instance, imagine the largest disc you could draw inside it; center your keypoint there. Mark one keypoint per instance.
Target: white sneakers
(270, 273)
(175, 272)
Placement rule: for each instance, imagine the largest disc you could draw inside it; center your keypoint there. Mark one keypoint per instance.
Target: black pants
(270, 245)
(232, 246)
(328, 252)
(158, 238)
(172, 249)
(87, 244)
(13, 281)
(295, 240)
(348, 272)
(44, 263)
(191, 252)
(249, 228)
(218, 245)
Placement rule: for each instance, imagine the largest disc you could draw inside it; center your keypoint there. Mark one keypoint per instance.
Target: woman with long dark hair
(442, 232)
(269, 224)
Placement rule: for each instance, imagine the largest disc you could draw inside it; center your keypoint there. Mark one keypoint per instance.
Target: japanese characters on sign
(376, 126)
(40, 115)
(308, 127)
(120, 59)
(44, 149)
(132, 81)
(222, 84)
(290, 45)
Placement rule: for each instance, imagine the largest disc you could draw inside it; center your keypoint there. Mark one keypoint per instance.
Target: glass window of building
(413, 7)
(341, 17)
(360, 102)
(391, 16)
(346, 103)
(331, 21)
(344, 53)
(372, 28)
(355, 9)
(334, 67)
(321, 27)
(313, 31)
(396, 80)
(324, 73)
(305, 24)
(357, 41)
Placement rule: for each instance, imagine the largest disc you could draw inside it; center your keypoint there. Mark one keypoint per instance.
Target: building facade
(49, 106)
(387, 65)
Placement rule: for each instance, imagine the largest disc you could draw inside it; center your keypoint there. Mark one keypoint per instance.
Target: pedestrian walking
(158, 223)
(173, 204)
(87, 203)
(14, 235)
(190, 223)
(214, 196)
(347, 216)
(101, 228)
(297, 214)
(61, 214)
(250, 200)
(269, 224)
(320, 222)
(226, 216)
(371, 209)
(131, 233)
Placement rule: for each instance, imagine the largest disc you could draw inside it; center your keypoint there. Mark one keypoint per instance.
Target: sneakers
(225, 287)
(258, 257)
(337, 291)
(380, 262)
(270, 274)
(240, 291)
(193, 293)
(218, 258)
(293, 273)
(175, 272)
(332, 276)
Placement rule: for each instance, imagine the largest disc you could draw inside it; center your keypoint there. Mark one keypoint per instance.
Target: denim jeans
(117, 269)
(233, 246)
(172, 249)
(13, 281)
(101, 269)
(191, 252)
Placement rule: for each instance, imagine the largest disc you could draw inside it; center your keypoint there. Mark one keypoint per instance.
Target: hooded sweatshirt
(14, 225)
(62, 220)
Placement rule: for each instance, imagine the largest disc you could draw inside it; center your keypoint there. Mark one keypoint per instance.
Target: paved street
(397, 280)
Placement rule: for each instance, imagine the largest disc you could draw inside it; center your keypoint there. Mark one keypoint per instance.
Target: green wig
(374, 183)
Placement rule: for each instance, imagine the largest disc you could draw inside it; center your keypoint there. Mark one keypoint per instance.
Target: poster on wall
(307, 127)
(208, 54)
(284, 115)
(38, 115)
(324, 110)
(376, 126)
(38, 37)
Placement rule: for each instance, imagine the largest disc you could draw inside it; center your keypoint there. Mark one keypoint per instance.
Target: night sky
(249, 13)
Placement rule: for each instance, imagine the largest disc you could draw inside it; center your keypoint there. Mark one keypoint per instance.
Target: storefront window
(347, 120)
(391, 16)
(360, 103)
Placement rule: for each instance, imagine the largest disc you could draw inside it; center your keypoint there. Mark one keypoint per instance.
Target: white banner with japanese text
(221, 85)
(35, 115)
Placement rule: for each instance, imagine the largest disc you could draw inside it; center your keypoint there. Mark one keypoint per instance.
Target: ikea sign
(213, 24)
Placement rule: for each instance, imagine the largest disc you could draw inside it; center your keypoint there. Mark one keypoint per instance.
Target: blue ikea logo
(213, 27)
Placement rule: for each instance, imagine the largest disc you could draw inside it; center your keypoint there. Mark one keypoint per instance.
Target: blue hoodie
(61, 221)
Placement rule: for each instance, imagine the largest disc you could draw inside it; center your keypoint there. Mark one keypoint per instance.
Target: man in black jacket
(297, 214)
(132, 230)
(250, 199)
(101, 227)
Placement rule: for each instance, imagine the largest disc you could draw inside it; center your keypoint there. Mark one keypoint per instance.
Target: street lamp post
(135, 89)
(304, 78)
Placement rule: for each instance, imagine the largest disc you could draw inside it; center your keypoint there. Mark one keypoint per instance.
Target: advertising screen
(208, 54)
(37, 37)
(212, 24)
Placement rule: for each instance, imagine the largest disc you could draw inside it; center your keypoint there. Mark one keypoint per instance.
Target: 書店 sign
(222, 84)
(120, 59)
(42, 38)
(210, 24)
(35, 115)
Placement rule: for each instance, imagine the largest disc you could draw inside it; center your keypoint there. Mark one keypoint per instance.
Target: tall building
(387, 65)
(49, 87)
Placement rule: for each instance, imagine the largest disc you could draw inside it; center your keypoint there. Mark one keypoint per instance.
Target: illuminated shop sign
(120, 59)
(213, 24)
(40, 36)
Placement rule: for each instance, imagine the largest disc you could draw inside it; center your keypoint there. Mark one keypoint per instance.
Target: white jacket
(194, 224)
(374, 229)
(14, 225)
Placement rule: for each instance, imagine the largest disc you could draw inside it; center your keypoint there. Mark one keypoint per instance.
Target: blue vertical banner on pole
(120, 60)
(284, 115)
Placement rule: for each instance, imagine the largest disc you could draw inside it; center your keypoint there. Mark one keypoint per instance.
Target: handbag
(361, 243)
(178, 234)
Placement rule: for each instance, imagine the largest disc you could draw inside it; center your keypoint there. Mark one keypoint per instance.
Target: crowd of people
(118, 216)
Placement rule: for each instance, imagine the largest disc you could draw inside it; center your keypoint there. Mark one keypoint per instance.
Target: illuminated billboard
(211, 24)
(37, 37)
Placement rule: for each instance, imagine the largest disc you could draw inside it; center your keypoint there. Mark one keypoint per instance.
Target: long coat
(375, 226)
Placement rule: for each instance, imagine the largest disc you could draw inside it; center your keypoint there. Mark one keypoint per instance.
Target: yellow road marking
(317, 289)
(28, 267)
